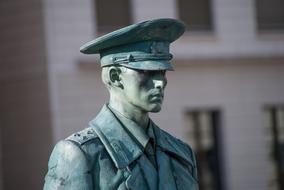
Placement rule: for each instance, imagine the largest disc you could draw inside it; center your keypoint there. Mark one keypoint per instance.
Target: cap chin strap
(125, 59)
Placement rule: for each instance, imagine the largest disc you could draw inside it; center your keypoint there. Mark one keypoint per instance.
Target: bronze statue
(123, 148)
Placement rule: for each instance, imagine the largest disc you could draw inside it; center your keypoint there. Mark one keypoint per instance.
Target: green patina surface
(123, 148)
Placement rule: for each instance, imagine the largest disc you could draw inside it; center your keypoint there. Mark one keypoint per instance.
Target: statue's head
(135, 59)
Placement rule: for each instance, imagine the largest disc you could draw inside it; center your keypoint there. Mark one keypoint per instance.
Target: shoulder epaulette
(83, 136)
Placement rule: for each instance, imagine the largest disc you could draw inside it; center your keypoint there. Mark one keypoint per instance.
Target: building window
(270, 15)
(274, 124)
(112, 15)
(204, 136)
(196, 14)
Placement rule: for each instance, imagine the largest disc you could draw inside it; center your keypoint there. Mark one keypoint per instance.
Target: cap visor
(150, 65)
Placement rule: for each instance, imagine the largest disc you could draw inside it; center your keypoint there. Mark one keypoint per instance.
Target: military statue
(123, 148)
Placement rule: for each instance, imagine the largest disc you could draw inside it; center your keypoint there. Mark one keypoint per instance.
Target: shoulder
(84, 136)
(67, 167)
(72, 148)
(175, 141)
(65, 154)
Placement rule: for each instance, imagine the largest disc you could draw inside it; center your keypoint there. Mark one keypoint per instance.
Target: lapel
(147, 173)
(171, 153)
(172, 146)
(124, 150)
(166, 175)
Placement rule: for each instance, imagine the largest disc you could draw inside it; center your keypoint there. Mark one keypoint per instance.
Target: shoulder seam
(83, 136)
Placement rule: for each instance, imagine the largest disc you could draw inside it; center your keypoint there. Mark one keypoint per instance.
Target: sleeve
(68, 168)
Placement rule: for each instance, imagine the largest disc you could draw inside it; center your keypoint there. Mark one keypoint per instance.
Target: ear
(114, 76)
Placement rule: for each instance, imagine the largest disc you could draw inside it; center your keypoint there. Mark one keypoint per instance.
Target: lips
(157, 97)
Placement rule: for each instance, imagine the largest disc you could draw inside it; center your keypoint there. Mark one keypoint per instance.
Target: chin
(156, 109)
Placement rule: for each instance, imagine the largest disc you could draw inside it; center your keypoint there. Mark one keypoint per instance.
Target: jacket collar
(133, 128)
(122, 148)
(172, 146)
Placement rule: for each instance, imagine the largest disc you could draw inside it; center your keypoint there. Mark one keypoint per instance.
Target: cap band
(132, 57)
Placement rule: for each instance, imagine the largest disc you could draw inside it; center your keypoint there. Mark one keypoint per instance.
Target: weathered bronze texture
(123, 148)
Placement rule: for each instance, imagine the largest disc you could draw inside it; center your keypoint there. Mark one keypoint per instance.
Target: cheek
(132, 90)
(136, 93)
(145, 83)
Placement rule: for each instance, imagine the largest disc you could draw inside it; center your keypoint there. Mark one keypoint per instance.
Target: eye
(163, 72)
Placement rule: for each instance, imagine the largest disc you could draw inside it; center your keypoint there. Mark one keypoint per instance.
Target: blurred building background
(225, 97)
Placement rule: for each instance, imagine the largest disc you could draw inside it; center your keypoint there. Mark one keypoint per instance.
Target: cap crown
(140, 46)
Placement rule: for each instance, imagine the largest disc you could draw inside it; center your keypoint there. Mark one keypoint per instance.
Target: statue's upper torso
(106, 156)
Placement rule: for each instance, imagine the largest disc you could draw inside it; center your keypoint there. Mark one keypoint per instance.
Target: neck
(141, 118)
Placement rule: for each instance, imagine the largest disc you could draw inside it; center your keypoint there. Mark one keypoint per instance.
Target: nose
(160, 82)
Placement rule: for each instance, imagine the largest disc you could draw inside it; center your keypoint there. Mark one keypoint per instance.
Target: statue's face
(144, 89)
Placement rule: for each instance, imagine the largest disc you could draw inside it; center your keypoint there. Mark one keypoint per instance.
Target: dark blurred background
(225, 97)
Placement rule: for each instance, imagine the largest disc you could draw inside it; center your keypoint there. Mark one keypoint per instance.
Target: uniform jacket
(105, 157)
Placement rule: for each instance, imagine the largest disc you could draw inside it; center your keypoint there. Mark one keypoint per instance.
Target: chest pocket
(183, 175)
